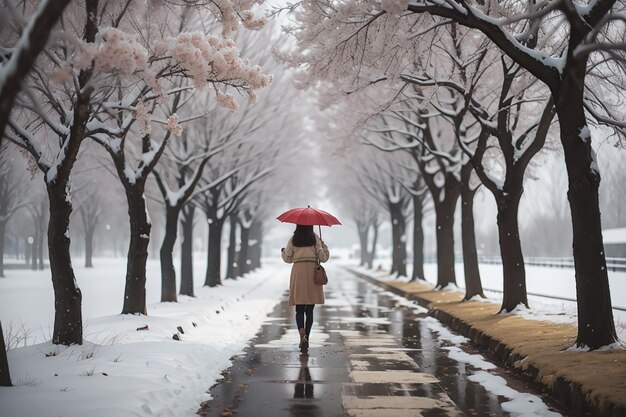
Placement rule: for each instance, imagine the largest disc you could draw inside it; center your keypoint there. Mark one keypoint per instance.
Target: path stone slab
(384, 413)
(396, 357)
(371, 342)
(391, 361)
(392, 377)
(416, 405)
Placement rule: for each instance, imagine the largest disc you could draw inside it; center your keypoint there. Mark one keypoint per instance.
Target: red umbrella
(308, 216)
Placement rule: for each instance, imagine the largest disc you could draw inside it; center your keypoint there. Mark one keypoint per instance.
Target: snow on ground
(26, 296)
(119, 370)
(558, 282)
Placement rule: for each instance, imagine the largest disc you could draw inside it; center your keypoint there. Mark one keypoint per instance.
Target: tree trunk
(401, 245)
(214, 255)
(33, 249)
(186, 251)
(418, 238)
(2, 233)
(89, 247)
(243, 260)
(444, 212)
(256, 236)
(363, 231)
(394, 243)
(595, 316)
(232, 266)
(473, 284)
(68, 321)
(372, 253)
(135, 290)
(511, 251)
(398, 239)
(5, 375)
(168, 273)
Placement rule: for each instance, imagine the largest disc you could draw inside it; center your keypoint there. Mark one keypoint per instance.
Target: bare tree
(518, 143)
(353, 199)
(187, 158)
(187, 179)
(223, 197)
(380, 176)
(421, 135)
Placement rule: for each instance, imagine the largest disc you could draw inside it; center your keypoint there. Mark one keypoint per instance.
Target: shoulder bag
(319, 276)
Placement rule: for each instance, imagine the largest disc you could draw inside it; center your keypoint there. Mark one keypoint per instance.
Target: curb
(576, 398)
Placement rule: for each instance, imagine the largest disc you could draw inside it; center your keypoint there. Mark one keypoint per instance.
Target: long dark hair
(303, 236)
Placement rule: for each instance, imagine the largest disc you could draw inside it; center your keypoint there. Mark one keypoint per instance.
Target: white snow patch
(443, 332)
(519, 309)
(130, 174)
(401, 301)
(450, 287)
(614, 235)
(480, 299)
(594, 162)
(584, 134)
(520, 404)
(477, 361)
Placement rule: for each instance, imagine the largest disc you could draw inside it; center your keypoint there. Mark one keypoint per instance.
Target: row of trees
(154, 86)
(477, 90)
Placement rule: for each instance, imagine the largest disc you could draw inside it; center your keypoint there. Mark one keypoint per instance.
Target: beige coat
(302, 289)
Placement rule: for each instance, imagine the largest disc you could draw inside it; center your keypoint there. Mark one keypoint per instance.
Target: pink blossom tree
(167, 76)
(110, 79)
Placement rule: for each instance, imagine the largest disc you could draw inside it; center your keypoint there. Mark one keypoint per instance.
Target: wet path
(372, 354)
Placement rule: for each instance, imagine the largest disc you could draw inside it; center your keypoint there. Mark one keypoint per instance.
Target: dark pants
(301, 309)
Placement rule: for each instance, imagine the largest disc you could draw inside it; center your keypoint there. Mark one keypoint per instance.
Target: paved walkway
(369, 356)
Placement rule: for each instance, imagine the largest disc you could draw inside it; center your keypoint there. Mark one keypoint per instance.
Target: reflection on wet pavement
(371, 354)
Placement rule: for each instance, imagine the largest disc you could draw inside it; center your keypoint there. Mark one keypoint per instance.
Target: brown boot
(304, 341)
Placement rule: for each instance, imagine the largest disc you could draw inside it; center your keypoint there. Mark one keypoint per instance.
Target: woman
(301, 250)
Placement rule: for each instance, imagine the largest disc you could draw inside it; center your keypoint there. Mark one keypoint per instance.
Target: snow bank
(123, 371)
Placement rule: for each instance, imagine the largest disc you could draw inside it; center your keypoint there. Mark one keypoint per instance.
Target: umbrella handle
(320, 226)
